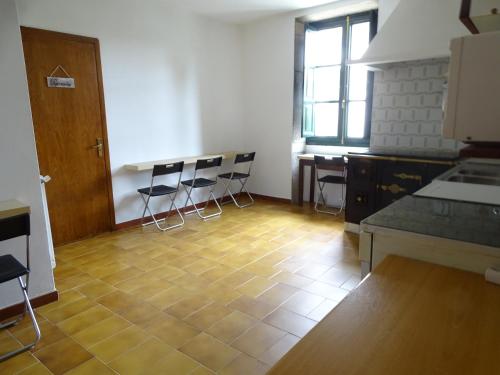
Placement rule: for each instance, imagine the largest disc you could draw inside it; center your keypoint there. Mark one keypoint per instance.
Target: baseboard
(269, 198)
(138, 222)
(11, 311)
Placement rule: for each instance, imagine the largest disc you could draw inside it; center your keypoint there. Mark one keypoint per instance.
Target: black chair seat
(158, 190)
(199, 182)
(329, 179)
(236, 175)
(10, 268)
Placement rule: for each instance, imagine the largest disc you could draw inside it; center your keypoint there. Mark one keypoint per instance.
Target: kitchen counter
(454, 220)
(407, 317)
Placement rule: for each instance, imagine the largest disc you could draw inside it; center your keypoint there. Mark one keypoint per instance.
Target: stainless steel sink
(474, 180)
(474, 173)
(478, 172)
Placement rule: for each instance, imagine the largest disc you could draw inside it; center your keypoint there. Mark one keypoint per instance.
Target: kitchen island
(458, 234)
(407, 317)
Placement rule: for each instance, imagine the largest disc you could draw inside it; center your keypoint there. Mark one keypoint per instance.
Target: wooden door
(70, 132)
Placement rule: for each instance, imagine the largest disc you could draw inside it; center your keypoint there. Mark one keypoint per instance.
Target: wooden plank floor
(230, 295)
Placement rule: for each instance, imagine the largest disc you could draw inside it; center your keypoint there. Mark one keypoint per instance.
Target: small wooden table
(12, 208)
(308, 160)
(407, 317)
(148, 165)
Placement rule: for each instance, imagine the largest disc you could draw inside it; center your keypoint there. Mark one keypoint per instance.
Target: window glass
(337, 94)
(356, 119)
(326, 119)
(324, 47)
(327, 83)
(358, 78)
(360, 38)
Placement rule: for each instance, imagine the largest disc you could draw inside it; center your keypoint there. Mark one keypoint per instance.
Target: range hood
(416, 30)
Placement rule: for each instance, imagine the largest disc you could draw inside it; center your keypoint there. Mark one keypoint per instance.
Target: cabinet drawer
(361, 171)
(397, 179)
(360, 204)
(408, 176)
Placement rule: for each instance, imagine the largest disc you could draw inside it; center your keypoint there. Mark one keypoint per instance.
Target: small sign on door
(61, 82)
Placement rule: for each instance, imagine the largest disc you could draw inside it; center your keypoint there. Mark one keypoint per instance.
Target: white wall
(19, 174)
(172, 81)
(268, 81)
(178, 84)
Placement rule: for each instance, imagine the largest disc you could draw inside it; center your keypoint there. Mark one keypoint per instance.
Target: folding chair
(336, 163)
(11, 268)
(241, 177)
(197, 183)
(161, 190)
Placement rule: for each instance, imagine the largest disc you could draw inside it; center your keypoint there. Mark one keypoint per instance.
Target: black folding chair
(11, 268)
(197, 183)
(239, 176)
(322, 164)
(161, 190)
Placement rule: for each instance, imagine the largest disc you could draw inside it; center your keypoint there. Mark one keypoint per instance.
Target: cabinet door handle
(405, 176)
(394, 188)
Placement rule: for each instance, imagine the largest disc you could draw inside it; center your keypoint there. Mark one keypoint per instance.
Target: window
(337, 96)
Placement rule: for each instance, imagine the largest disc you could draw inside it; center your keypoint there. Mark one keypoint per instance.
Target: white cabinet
(378, 242)
(472, 109)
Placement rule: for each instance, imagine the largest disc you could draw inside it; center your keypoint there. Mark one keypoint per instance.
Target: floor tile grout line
(274, 248)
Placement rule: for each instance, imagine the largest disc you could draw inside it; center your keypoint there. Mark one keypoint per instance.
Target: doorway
(67, 105)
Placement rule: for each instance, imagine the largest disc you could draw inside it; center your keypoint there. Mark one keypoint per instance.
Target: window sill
(318, 149)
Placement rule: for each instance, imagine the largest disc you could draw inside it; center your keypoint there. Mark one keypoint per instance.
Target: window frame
(342, 140)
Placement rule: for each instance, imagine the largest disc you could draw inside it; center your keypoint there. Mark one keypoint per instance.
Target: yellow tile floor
(230, 295)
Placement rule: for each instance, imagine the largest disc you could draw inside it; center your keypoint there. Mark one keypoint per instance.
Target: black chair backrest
(244, 158)
(334, 161)
(209, 163)
(163, 169)
(14, 226)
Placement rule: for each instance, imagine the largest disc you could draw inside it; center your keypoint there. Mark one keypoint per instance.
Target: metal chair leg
(158, 221)
(36, 328)
(178, 213)
(146, 208)
(189, 199)
(226, 187)
(12, 323)
(243, 189)
(322, 197)
(199, 210)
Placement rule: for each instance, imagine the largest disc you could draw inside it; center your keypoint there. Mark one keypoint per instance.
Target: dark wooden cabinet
(360, 196)
(373, 184)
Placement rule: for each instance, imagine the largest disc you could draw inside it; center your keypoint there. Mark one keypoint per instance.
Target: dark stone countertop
(462, 221)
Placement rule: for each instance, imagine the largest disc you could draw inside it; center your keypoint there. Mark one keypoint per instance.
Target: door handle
(99, 147)
(45, 179)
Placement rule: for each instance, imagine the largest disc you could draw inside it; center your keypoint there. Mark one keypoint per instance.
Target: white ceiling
(241, 11)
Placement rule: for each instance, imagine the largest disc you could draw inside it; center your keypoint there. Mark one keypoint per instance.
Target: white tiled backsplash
(407, 106)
